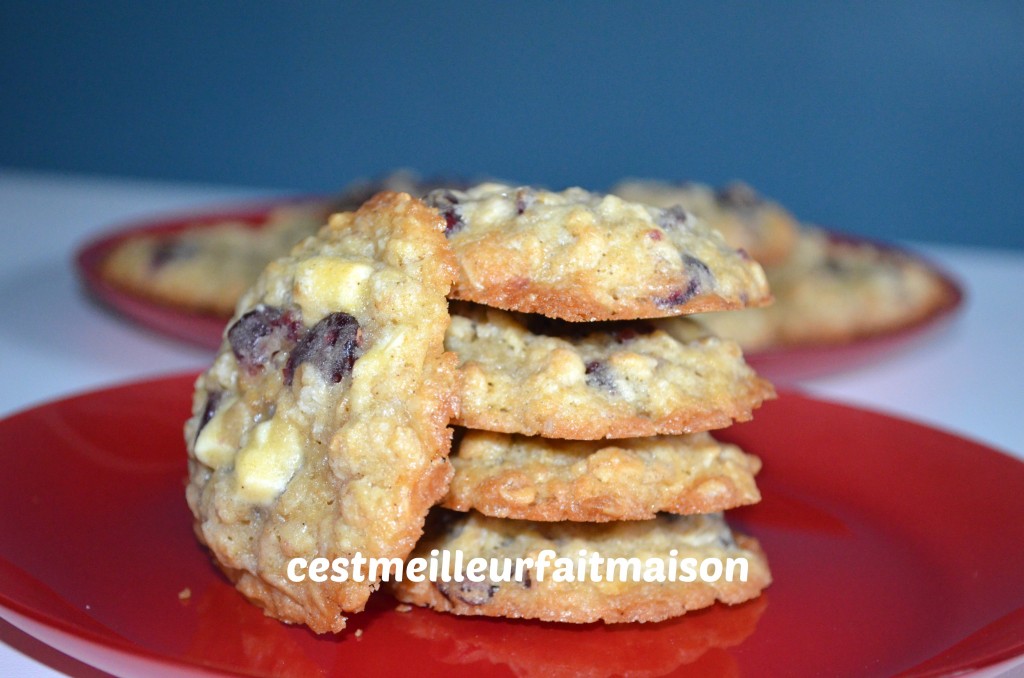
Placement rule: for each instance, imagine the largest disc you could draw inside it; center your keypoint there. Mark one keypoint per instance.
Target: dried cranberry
(333, 345)
(452, 222)
(262, 333)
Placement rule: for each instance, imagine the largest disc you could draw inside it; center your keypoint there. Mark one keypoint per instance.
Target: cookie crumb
(359, 633)
(402, 607)
(185, 594)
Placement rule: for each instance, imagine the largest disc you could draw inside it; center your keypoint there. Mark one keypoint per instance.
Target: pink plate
(782, 366)
(894, 547)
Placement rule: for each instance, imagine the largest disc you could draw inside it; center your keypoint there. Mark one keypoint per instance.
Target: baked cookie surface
(527, 374)
(582, 256)
(702, 537)
(206, 268)
(321, 428)
(747, 221)
(531, 478)
(831, 291)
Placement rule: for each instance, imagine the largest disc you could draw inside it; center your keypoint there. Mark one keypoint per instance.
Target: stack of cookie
(319, 436)
(585, 399)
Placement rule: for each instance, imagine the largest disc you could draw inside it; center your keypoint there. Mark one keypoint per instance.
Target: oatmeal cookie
(701, 537)
(321, 428)
(585, 381)
(207, 267)
(510, 476)
(762, 228)
(830, 291)
(581, 256)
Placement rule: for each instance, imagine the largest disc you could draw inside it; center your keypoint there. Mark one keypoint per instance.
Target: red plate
(782, 366)
(894, 548)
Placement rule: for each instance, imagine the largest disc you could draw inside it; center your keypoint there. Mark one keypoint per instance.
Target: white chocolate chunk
(268, 461)
(377, 364)
(216, 443)
(327, 284)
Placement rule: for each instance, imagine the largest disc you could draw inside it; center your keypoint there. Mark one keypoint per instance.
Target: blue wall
(897, 120)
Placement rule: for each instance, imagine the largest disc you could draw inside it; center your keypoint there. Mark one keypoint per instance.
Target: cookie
(747, 221)
(539, 594)
(586, 381)
(206, 268)
(581, 256)
(509, 476)
(321, 428)
(830, 291)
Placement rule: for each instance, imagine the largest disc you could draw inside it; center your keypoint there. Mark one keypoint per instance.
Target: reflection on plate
(780, 365)
(894, 547)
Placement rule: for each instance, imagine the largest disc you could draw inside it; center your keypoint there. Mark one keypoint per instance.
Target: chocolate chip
(836, 266)
(209, 409)
(680, 296)
(693, 264)
(469, 592)
(701, 280)
(673, 217)
(600, 375)
(260, 334)
(525, 198)
(333, 345)
(738, 195)
(170, 250)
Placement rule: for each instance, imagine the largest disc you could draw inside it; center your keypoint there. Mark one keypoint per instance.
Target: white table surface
(968, 379)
